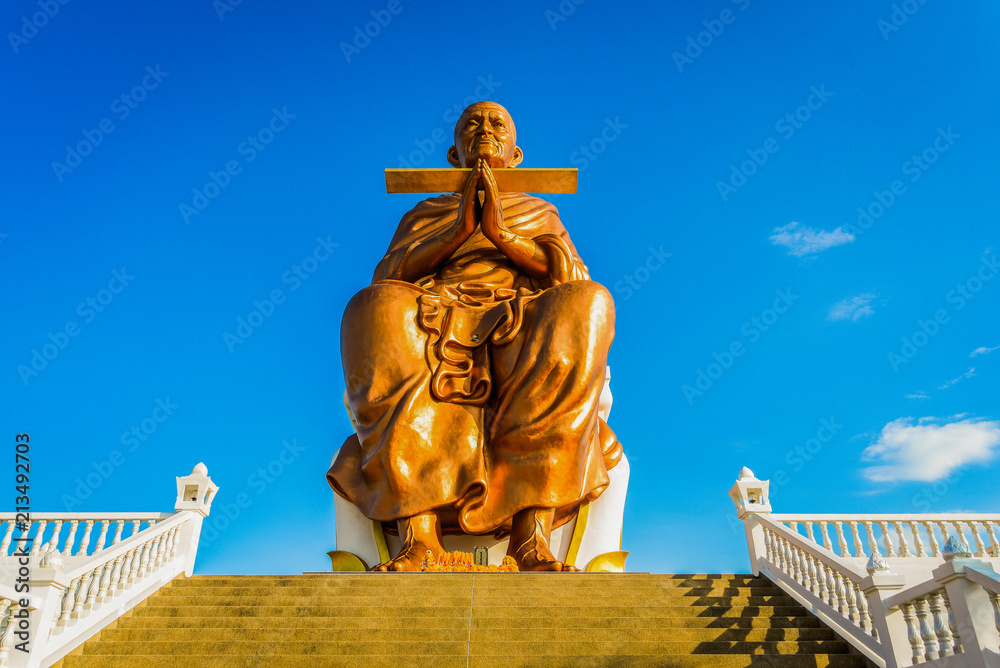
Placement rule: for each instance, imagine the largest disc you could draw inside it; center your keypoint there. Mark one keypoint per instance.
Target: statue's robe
(475, 390)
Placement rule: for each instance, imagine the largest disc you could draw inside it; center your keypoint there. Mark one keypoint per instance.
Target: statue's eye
(498, 124)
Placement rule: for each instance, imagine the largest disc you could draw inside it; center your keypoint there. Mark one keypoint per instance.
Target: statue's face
(485, 131)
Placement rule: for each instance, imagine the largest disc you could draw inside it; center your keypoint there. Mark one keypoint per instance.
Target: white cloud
(853, 308)
(983, 350)
(968, 374)
(917, 395)
(929, 449)
(802, 240)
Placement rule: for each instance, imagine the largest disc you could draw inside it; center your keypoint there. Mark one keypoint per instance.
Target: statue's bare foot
(421, 534)
(531, 551)
(409, 558)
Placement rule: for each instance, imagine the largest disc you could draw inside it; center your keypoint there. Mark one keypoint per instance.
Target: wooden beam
(453, 180)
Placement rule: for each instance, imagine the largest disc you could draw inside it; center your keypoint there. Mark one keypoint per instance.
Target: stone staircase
(445, 620)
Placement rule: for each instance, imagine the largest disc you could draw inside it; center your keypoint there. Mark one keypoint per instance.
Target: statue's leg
(419, 535)
(414, 454)
(531, 529)
(544, 442)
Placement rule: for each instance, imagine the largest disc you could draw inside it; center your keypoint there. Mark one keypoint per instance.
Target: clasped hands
(488, 216)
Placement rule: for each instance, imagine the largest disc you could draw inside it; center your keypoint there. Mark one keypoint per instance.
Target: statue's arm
(522, 251)
(422, 259)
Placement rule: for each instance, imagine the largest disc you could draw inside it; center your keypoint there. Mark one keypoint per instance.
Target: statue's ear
(518, 156)
(453, 157)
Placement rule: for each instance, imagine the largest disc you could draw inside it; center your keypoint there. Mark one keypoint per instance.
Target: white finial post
(751, 498)
(196, 491)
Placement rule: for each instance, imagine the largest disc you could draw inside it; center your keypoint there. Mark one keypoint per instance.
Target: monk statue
(473, 365)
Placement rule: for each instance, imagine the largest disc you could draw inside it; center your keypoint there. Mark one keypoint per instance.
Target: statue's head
(485, 130)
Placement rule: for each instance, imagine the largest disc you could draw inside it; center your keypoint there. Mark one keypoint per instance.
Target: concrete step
(588, 610)
(482, 600)
(460, 634)
(476, 661)
(445, 648)
(462, 621)
(466, 589)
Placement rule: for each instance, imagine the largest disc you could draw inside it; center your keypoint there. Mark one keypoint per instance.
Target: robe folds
(475, 390)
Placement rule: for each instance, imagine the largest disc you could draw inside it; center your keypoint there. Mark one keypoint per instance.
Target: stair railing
(926, 600)
(73, 591)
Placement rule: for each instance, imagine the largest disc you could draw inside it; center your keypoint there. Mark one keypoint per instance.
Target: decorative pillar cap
(196, 491)
(750, 494)
(877, 563)
(954, 548)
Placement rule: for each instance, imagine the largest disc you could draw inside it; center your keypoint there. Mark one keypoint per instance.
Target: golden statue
(473, 365)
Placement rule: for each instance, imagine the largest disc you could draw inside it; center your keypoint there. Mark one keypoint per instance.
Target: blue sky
(823, 177)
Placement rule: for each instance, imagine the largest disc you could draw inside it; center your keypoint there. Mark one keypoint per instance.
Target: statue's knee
(589, 304)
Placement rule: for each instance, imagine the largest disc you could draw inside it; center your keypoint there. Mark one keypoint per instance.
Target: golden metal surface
(379, 533)
(609, 562)
(508, 180)
(346, 562)
(474, 363)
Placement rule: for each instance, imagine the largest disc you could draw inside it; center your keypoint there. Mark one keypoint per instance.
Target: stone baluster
(135, 527)
(81, 595)
(143, 559)
(904, 549)
(994, 546)
(841, 594)
(5, 545)
(927, 634)
(956, 639)
(944, 532)
(822, 571)
(919, 544)
(176, 530)
(960, 531)
(824, 531)
(69, 598)
(872, 544)
(932, 539)
(39, 538)
(890, 551)
(105, 582)
(102, 537)
(841, 542)
(768, 548)
(56, 530)
(813, 581)
(108, 589)
(119, 527)
(980, 547)
(85, 541)
(810, 533)
(7, 637)
(864, 616)
(859, 548)
(941, 627)
(123, 573)
(913, 633)
(852, 601)
(71, 538)
(95, 587)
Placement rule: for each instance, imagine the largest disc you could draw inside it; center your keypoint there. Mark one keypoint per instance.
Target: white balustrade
(903, 589)
(79, 588)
